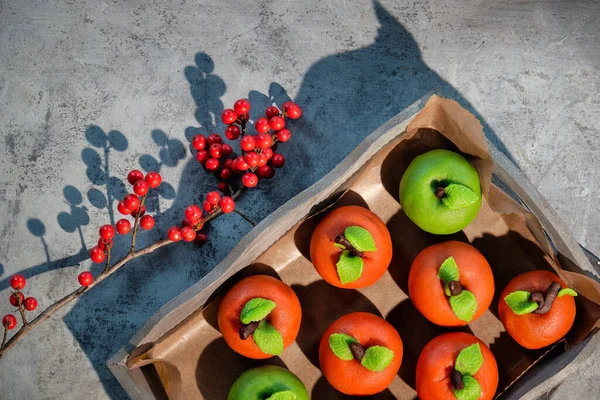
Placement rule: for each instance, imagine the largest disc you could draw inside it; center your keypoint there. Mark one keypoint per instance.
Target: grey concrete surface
(92, 89)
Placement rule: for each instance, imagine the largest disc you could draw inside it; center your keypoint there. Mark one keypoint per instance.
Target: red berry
(139, 212)
(30, 303)
(193, 212)
(212, 164)
(201, 238)
(251, 159)
(271, 111)
(227, 204)
(226, 150)
(268, 152)
(18, 282)
(85, 278)
(247, 143)
(241, 164)
(9, 321)
(153, 179)
(213, 198)
(214, 138)
(123, 226)
(134, 176)
(292, 110)
(199, 142)
(262, 125)
(229, 116)
(265, 172)
(147, 222)
(188, 234)
(106, 232)
(131, 202)
(123, 209)
(207, 206)
(262, 159)
(232, 132)
(222, 186)
(284, 135)
(242, 106)
(278, 160)
(174, 234)
(225, 174)
(97, 254)
(141, 188)
(14, 299)
(249, 180)
(104, 244)
(228, 163)
(215, 150)
(187, 222)
(264, 140)
(276, 123)
(202, 156)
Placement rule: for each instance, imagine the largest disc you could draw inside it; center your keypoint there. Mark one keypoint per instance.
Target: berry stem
(107, 263)
(135, 225)
(241, 214)
(21, 310)
(4, 337)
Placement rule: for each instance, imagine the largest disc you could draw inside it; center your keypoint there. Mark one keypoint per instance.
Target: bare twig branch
(135, 225)
(241, 214)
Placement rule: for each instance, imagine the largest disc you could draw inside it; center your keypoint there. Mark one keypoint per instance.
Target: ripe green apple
(268, 382)
(440, 192)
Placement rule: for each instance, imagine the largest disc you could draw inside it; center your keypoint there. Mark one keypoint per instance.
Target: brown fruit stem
(440, 192)
(341, 239)
(248, 329)
(358, 351)
(549, 297)
(456, 380)
(455, 288)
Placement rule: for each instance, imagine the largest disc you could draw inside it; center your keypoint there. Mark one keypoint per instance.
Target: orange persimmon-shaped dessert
(259, 317)
(360, 354)
(351, 247)
(451, 283)
(456, 366)
(537, 309)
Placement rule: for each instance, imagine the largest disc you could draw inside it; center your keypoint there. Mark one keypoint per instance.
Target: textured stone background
(92, 89)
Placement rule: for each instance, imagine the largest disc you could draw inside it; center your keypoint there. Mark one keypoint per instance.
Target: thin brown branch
(105, 274)
(247, 218)
(4, 337)
(107, 264)
(135, 224)
(78, 292)
(21, 310)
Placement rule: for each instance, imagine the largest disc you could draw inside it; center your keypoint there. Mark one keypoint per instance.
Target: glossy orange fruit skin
(286, 316)
(325, 255)
(350, 377)
(535, 331)
(436, 362)
(426, 290)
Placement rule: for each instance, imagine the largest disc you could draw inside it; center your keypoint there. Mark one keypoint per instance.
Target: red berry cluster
(18, 300)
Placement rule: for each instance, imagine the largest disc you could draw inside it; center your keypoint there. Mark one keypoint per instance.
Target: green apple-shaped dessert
(268, 382)
(440, 192)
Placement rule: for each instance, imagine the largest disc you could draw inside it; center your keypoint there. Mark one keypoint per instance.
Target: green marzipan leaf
(349, 267)
(519, 302)
(285, 395)
(469, 360)
(448, 270)
(459, 196)
(268, 339)
(377, 358)
(471, 391)
(339, 343)
(256, 309)
(464, 305)
(339, 246)
(567, 291)
(360, 238)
